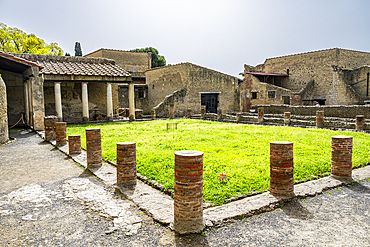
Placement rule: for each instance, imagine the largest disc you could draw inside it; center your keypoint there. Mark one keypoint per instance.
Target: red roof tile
(65, 65)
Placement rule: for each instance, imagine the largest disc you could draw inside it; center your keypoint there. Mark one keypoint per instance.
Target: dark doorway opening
(210, 101)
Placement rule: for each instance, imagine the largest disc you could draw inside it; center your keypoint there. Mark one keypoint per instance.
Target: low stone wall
(340, 111)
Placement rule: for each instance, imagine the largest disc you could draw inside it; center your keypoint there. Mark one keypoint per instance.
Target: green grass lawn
(240, 150)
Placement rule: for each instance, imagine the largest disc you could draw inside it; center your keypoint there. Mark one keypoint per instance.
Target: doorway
(210, 101)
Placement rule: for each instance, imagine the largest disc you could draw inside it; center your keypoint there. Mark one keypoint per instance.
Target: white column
(85, 103)
(26, 102)
(58, 101)
(131, 100)
(109, 102)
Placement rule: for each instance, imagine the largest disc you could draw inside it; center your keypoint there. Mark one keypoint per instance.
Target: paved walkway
(47, 199)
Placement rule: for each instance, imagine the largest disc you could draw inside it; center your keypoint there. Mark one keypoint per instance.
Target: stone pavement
(48, 200)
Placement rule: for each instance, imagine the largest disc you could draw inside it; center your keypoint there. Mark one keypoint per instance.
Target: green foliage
(157, 60)
(78, 50)
(15, 40)
(240, 150)
(67, 54)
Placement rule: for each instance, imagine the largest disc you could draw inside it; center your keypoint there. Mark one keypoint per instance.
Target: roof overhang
(15, 64)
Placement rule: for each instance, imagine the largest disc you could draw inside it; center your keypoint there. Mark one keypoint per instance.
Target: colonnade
(85, 101)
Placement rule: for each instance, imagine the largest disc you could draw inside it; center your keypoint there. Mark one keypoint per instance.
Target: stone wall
(166, 80)
(342, 93)
(128, 60)
(348, 111)
(15, 93)
(4, 135)
(313, 66)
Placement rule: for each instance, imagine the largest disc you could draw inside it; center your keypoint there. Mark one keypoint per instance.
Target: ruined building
(330, 77)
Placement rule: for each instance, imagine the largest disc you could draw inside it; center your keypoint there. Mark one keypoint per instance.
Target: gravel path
(48, 200)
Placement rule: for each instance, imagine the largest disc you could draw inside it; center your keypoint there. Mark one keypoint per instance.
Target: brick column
(74, 144)
(93, 148)
(172, 111)
(126, 164)
(320, 119)
(61, 133)
(153, 115)
(219, 114)
(238, 117)
(261, 115)
(49, 123)
(360, 122)
(287, 117)
(188, 113)
(281, 168)
(203, 112)
(341, 156)
(188, 196)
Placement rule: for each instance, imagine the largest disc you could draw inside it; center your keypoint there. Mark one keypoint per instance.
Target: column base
(132, 117)
(85, 119)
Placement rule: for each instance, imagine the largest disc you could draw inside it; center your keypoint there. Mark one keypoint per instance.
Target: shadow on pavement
(295, 210)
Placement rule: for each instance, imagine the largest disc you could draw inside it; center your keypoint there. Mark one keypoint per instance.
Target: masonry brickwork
(188, 188)
(50, 127)
(341, 156)
(281, 168)
(61, 133)
(74, 144)
(126, 164)
(93, 148)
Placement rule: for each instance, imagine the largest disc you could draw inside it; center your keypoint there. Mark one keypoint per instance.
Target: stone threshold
(160, 206)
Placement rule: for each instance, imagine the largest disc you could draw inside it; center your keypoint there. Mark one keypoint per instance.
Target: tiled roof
(66, 65)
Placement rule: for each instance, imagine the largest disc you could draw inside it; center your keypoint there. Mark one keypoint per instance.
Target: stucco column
(131, 101)
(109, 102)
(58, 101)
(85, 103)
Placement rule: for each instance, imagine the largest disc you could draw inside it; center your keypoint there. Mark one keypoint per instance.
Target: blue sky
(221, 35)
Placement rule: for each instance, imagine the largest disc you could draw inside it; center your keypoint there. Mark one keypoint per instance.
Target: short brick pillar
(360, 122)
(281, 168)
(261, 115)
(188, 195)
(341, 156)
(126, 164)
(238, 117)
(320, 119)
(74, 144)
(153, 115)
(172, 111)
(203, 112)
(188, 113)
(61, 133)
(287, 117)
(93, 148)
(49, 123)
(219, 114)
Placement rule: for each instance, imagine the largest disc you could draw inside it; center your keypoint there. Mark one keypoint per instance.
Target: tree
(13, 39)
(157, 60)
(78, 50)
